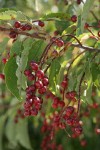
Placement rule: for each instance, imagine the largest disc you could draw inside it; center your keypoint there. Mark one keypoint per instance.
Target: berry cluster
(22, 27)
(34, 91)
(19, 114)
(47, 142)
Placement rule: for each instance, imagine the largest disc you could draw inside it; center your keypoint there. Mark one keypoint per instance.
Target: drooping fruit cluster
(67, 116)
(34, 91)
(19, 114)
(47, 142)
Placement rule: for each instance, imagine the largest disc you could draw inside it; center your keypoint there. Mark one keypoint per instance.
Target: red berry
(59, 43)
(79, 2)
(23, 27)
(31, 77)
(17, 24)
(61, 104)
(97, 130)
(74, 18)
(41, 23)
(27, 113)
(28, 27)
(83, 142)
(40, 74)
(13, 34)
(38, 84)
(64, 84)
(86, 26)
(69, 110)
(78, 130)
(2, 76)
(27, 72)
(34, 66)
(4, 60)
(34, 112)
(99, 33)
(45, 81)
(42, 90)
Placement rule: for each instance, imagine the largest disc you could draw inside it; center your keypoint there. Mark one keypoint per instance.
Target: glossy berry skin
(31, 77)
(34, 66)
(38, 84)
(17, 24)
(13, 34)
(27, 72)
(40, 74)
(41, 23)
(59, 43)
(74, 18)
(45, 81)
(42, 90)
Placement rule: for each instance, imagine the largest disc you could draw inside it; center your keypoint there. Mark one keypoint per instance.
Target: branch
(34, 35)
(91, 49)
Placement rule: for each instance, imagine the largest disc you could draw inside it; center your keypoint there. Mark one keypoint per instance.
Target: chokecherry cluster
(19, 114)
(34, 91)
(22, 27)
(67, 114)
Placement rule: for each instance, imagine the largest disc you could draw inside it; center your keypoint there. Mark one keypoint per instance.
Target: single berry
(2, 76)
(99, 33)
(74, 18)
(31, 77)
(41, 23)
(40, 74)
(23, 27)
(69, 110)
(45, 81)
(78, 130)
(42, 90)
(38, 84)
(28, 27)
(59, 43)
(34, 112)
(4, 60)
(13, 34)
(79, 2)
(27, 72)
(64, 84)
(17, 24)
(34, 66)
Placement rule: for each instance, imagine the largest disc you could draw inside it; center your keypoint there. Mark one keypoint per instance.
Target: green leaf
(54, 70)
(56, 16)
(16, 48)
(86, 9)
(12, 15)
(22, 63)
(2, 121)
(3, 44)
(10, 77)
(23, 135)
(36, 50)
(10, 131)
(61, 25)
